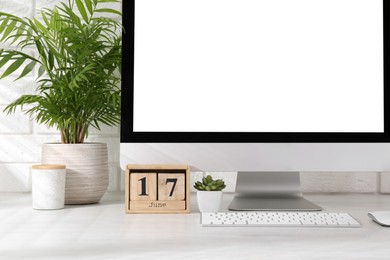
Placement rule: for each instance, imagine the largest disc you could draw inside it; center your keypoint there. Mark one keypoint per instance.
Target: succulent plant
(208, 184)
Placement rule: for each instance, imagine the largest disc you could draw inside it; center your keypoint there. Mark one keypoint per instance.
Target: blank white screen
(258, 66)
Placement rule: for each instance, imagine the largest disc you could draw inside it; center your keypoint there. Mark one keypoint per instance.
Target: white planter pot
(86, 169)
(209, 201)
(48, 186)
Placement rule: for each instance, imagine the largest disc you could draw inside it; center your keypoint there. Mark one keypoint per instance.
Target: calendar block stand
(157, 188)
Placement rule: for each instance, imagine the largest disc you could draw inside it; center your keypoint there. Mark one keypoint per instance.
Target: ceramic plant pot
(86, 169)
(209, 201)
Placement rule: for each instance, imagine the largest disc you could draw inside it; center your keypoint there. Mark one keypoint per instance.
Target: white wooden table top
(104, 231)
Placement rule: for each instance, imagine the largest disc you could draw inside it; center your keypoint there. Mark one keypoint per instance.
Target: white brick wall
(21, 140)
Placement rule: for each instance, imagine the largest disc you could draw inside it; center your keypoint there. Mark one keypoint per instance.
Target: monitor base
(274, 191)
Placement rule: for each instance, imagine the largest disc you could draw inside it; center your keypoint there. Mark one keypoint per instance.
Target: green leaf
(45, 18)
(88, 3)
(8, 30)
(41, 70)
(108, 10)
(14, 66)
(5, 59)
(108, 1)
(40, 26)
(51, 60)
(29, 67)
(4, 24)
(19, 33)
(41, 50)
(82, 10)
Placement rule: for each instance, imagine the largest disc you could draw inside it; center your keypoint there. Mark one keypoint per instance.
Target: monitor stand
(270, 191)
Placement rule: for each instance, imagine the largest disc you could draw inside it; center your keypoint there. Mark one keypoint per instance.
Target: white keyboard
(277, 219)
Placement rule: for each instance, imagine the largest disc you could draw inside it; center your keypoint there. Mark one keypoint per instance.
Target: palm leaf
(3, 25)
(14, 66)
(108, 10)
(82, 10)
(89, 5)
(29, 67)
(8, 30)
(4, 58)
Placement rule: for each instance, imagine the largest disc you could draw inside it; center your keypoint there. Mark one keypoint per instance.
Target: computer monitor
(265, 88)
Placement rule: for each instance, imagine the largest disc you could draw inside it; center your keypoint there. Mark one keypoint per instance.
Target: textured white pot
(48, 186)
(209, 201)
(86, 169)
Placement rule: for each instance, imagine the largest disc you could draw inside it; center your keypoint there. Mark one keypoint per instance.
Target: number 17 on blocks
(157, 192)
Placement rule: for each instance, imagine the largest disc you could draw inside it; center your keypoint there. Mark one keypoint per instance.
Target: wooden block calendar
(157, 188)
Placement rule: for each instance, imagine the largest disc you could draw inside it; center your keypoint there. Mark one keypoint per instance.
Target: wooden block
(156, 206)
(157, 188)
(171, 186)
(143, 186)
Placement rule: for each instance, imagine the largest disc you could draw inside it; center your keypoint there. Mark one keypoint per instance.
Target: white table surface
(104, 231)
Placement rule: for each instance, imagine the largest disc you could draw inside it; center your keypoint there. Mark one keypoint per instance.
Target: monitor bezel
(128, 135)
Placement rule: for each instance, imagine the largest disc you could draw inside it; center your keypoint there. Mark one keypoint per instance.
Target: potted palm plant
(78, 63)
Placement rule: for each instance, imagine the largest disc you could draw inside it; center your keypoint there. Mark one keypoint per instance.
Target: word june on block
(157, 188)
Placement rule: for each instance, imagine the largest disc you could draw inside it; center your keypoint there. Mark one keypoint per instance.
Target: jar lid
(48, 166)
